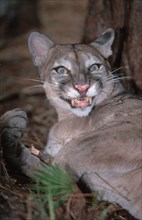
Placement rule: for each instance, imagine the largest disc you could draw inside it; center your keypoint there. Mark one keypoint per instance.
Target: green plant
(53, 187)
(103, 214)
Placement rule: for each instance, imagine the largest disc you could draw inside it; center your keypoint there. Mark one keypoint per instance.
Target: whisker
(111, 82)
(123, 67)
(53, 86)
(35, 80)
(106, 93)
(118, 78)
(31, 87)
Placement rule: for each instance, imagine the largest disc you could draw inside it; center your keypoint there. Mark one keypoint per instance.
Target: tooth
(72, 102)
(87, 99)
(90, 100)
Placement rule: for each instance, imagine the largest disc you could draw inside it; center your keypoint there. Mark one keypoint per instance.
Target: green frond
(53, 187)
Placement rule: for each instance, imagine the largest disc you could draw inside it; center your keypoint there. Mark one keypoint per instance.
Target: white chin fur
(82, 112)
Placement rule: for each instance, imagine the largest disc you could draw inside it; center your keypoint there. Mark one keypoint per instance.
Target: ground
(18, 90)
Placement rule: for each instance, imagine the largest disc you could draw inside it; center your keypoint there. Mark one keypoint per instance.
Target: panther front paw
(15, 118)
(15, 153)
(12, 124)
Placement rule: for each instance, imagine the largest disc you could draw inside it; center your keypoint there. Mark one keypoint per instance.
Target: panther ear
(104, 42)
(39, 46)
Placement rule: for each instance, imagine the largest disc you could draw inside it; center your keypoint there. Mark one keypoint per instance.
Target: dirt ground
(63, 22)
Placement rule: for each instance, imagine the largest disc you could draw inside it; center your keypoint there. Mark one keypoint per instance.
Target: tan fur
(104, 148)
(105, 151)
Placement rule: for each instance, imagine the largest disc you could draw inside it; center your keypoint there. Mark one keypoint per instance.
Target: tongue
(79, 104)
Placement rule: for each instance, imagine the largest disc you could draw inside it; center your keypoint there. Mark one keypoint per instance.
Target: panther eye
(94, 67)
(61, 70)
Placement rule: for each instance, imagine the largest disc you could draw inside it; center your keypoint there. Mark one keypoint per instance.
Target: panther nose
(82, 88)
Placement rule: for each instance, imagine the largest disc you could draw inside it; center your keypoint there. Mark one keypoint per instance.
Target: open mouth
(81, 102)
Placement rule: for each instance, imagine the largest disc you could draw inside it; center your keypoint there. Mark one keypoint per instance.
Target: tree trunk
(125, 17)
(17, 17)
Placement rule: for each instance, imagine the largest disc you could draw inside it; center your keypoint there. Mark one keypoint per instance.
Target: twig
(10, 191)
(29, 208)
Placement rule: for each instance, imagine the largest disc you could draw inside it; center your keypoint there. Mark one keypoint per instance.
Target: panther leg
(15, 153)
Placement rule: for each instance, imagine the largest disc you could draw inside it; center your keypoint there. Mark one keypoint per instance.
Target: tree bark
(17, 17)
(125, 17)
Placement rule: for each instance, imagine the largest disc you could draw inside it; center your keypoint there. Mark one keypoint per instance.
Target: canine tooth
(86, 99)
(90, 100)
(72, 102)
